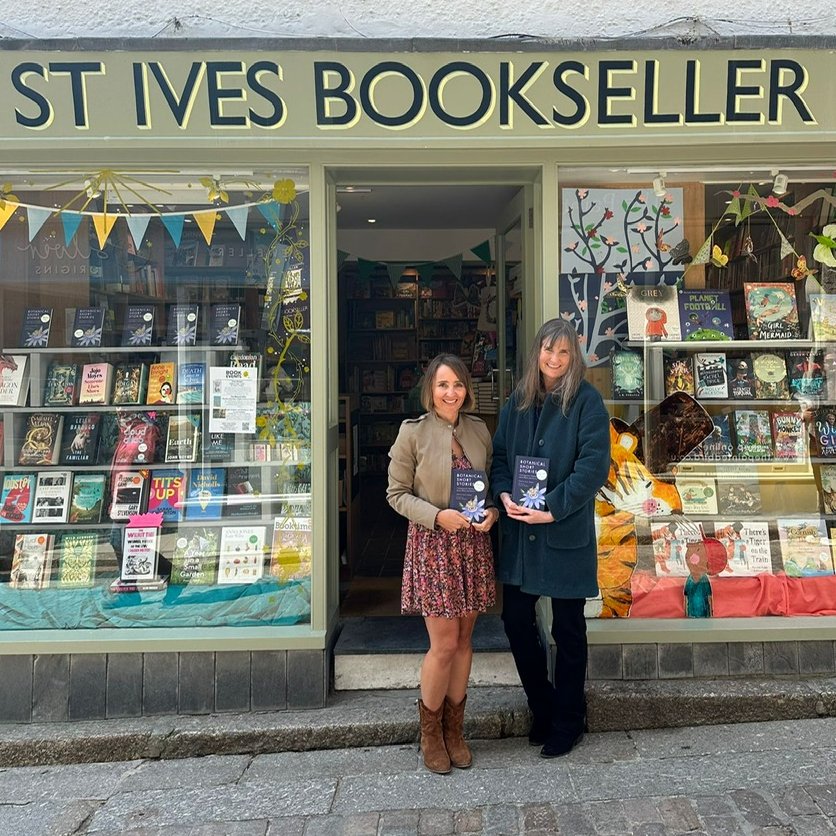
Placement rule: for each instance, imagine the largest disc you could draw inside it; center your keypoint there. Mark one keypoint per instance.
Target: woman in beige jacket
(448, 566)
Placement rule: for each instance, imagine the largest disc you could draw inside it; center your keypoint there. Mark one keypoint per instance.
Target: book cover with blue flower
(88, 327)
(138, 328)
(36, 325)
(468, 492)
(531, 475)
(182, 324)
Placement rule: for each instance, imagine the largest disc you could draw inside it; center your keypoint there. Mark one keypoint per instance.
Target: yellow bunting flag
(6, 211)
(103, 223)
(206, 222)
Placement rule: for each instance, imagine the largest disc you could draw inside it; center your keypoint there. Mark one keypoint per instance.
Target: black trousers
(564, 701)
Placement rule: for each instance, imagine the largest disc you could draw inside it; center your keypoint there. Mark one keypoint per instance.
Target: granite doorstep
(51, 688)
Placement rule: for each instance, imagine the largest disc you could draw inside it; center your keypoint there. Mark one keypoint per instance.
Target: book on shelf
(291, 548)
(679, 375)
(753, 434)
(96, 383)
(669, 545)
(823, 317)
(468, 493)
(747, 547)
(77, 559)
(739, 496)
(699, 496)
(137, 442)
(183, 438)
(771, 311)
(32, 561)
(805, 546)
(139, 553)
(529, 483)
(191, 382)
(789, 437)
(182, 320)
(224, 324)
(41, 439)
(806, 372)
(195, 557)
(243, 495)
(627, 374)
(14, 379)
(88, 498)
(130, 384)
(241, 558)
(205, 498)
(88, 327)
(128, 491)
(62, 387)
(52, 497)
(218, 447)
(16, 499)
(824, 426)
(741, 378)
(705, 315)
(770, 371)
(108, 438)
(166, 492)
(827, 489)
(138, 327)
(162, 383)
(710, 378)
(653, 313)
(35, 330)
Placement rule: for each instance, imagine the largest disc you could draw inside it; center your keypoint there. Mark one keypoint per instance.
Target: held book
(530, 482)
(130, 382)
(165, 495)
(41, 439)
(35, 330)
(771, 312)
(205, 493)
(627, 375)
(52, 496)
(705, 315)
(291, 548)
(16, 500)
(741, 378)
(61, 388)
(770, 371)
(710, 375)
(805, 547)
(191, 379)
(162, 383)
(195, 557)
(468, 492)
(747, 547)
(182, 324)
(653, 313)
(224, 324)
(96, 382)
(139, 554)
(183, 438)
(679, 375)
(32, 561)
(241, 557)
(14, 379)
(88, 325)
(88, 498)
(77, 559)
(128, 490)
(138, 327)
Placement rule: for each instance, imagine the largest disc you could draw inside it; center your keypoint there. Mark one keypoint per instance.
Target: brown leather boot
(436, 758)
(453, 725)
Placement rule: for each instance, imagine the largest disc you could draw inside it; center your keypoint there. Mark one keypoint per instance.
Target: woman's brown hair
(455, 363)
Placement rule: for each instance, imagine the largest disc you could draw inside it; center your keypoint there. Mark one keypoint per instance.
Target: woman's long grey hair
(530, 389)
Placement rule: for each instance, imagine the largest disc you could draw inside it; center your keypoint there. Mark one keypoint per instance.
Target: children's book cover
(80, 438)
(31, 561)
(530, 482)
(138, 327)
(130, 381)
(741, 378)
(77, 559)
(653, 313)
(679, 375)
(827, 490)
(162, 383)
(710, 375)
(182, 324)
(14, 379)
(165, 494)
(88, 327)
(823, 316)
(468, 493)
(52, 496)
(291, 549)
(771, 312)
(42, 439)
(705, 315)
(224, 323)
(195, 557)
(770, 371)
(806, 372)
(747, 547)
(788, 436)
(16, 501)
(805, 547)
(61, 387)
(35, 330)
(191, 382)
(87, 502)
(241, 557)
(739, 496)
(669, 545)
(627, 375)
(753, 434)
(206, 493)
(718, 445)
(699, 496)
(824, 425)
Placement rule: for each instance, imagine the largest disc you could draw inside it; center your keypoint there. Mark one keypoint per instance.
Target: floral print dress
(447, 573)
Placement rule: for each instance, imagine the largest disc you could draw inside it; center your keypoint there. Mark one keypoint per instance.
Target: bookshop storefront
(170, 395)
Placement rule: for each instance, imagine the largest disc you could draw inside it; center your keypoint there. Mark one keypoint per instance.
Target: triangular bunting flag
(426, 272)
(395, 270)
(37, 218)
(734, 209)
(71, 221)
(206, 222)
(273, 212)
(137, 224)
(238, 216)
(174, 225)
(6, 212)
(103, 223)
(454, 265)
(786, 247)
(703, 254)
(365, 268)
(483, 251)
(341, 258)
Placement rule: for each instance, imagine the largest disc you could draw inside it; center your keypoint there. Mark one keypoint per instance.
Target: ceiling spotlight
(659, 188)
(780, 183)
(372, 220)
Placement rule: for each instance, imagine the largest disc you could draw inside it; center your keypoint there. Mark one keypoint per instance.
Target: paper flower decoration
(6, 194)
(214, 189)
(284, 191)
(824, 251)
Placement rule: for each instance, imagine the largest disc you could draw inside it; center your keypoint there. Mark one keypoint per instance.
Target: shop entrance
(423, 269)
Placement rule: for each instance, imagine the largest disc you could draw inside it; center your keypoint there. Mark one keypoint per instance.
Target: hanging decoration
(395, 270)
(37, 218)
(6, 211)
(206, 222)
(137, 224)
(103, 223)
(238, 216)
(215, 190)
(454, 265)
(71, 222)
(174, 225)
(825, 249)
(483, 251)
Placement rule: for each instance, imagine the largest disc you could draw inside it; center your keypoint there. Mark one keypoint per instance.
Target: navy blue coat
(558, 559)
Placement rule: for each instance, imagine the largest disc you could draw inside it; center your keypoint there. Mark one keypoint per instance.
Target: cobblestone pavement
(763, 779)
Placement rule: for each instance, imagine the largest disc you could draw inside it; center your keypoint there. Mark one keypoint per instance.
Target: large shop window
(155, 401)
(706, 304)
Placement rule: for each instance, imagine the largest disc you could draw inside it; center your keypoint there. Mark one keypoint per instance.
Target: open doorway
(423, 270)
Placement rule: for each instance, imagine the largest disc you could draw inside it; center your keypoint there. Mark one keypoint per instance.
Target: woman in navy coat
(555, 414)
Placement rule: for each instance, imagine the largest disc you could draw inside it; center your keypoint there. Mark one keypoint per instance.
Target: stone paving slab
(85, 781)
(213, 770)
(43, 818)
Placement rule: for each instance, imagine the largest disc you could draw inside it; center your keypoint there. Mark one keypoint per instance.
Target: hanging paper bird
(801, 270)
(718, 257)
(747, 247)
(680, 254)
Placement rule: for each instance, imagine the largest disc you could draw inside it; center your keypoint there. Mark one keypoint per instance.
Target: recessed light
(372, 220)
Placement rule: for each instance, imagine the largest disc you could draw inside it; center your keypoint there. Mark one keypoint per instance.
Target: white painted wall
(396, 19)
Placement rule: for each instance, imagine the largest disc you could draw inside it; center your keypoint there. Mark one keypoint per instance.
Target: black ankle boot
(562, 740)
(540, 731)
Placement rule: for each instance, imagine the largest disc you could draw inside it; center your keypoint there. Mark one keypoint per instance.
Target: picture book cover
(710, 375)
(138, 327)
(669, 545)
(16, 500)
(41, 438)
(468, 493)
(747, 547)
(35, 330)
(32, 561)
(88, 326)
(243, 494)
(224, 323)
(80, 438)
(195, 557)
(805, 547)
(52, 497)
(653, 313)
(627, 374)
(705, 315)
(96, 382)
(206, 491)
(771, 312)
(182, 324)
(770, 372)
(128, 491)
(806, 372)
(14, 379)
(139, 553)
(241, 558)
(530, 482)
(61, 388)
(218, 447)
(753, 434)
(77, 559)
(165, 494)
(162, 383)
(741, 378)
(130, 382)
(183, 439)
(679, 375)
(88, 498)
(291, 548)
(137, 441)
(827, 489)
(788, 436)
(823, 317)
(739, 496)
(191, 378)
(824, 426)
(699, 496)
